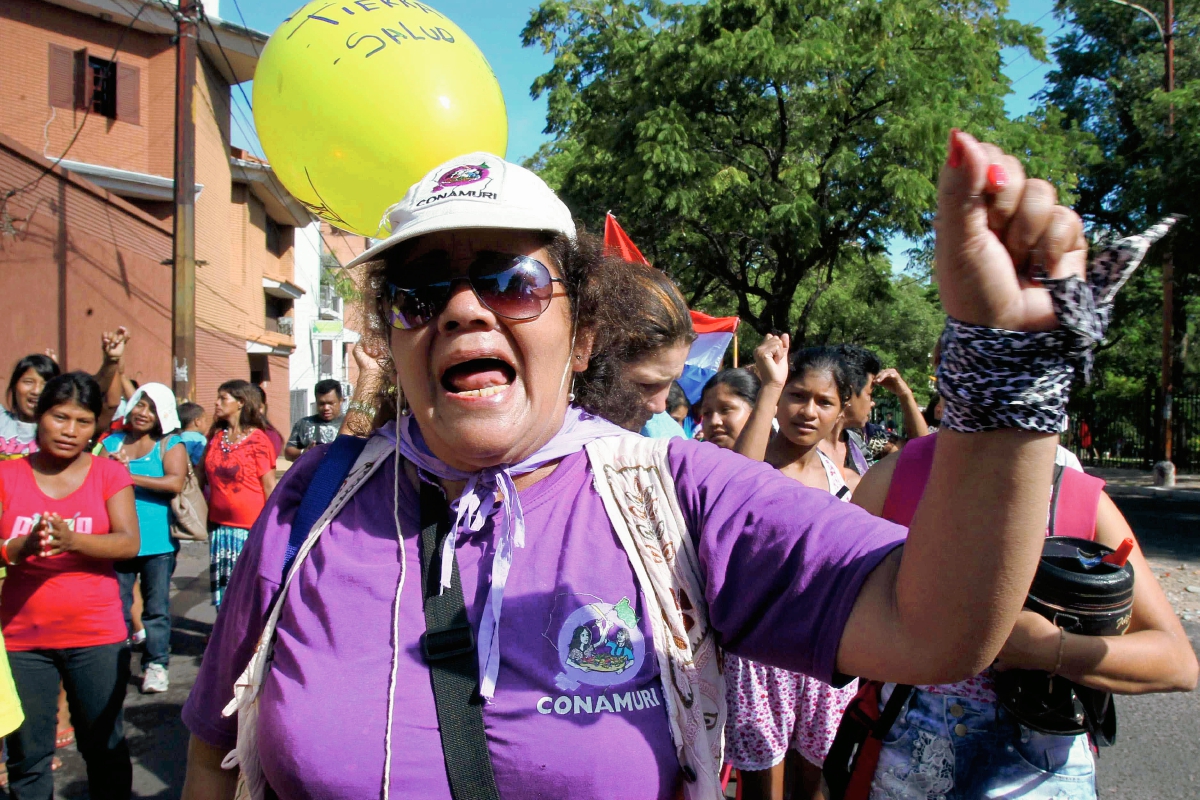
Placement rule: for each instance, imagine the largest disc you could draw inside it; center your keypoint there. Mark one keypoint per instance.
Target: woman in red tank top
(955, 740)
(65, 517)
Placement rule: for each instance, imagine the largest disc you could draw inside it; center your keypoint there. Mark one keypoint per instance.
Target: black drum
(1081, 594)
(1078, 592)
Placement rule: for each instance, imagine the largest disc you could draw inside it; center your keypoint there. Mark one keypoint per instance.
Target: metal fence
(1124, 432)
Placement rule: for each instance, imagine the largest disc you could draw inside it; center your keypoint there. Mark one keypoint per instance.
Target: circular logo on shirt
(601, 644)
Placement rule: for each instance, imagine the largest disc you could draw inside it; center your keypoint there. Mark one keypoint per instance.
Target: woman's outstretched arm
(939, 609)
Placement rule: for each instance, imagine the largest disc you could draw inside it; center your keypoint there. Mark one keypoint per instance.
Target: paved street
(1157, 755)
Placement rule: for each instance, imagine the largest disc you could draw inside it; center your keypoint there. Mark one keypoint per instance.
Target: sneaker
(155, 679)
(139, 637)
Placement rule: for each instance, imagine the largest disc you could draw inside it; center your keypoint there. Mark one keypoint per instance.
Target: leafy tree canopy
(760, 150)
(1109, 83)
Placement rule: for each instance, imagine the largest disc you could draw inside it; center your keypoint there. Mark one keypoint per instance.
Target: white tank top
(837, 484)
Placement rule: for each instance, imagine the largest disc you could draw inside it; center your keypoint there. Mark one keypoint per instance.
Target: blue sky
(496, 28)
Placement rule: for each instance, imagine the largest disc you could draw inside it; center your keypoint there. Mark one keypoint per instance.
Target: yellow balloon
(355, 102)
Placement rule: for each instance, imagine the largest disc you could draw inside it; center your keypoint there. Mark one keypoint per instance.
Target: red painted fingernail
(997, 177)
(955, 157)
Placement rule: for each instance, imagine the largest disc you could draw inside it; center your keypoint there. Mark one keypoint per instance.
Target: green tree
(1109, 83)
(757, 149)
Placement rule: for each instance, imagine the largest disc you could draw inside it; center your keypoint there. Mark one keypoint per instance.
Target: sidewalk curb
(1175, 495)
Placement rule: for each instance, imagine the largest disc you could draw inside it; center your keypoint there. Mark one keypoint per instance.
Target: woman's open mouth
(478, 377)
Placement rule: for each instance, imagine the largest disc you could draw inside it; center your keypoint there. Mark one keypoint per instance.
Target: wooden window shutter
(82, 91)
(61, 77)
(129, 94)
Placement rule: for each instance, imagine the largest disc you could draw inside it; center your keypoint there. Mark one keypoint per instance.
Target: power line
(87, 113)
(238, 8)
(1039, 66)
(1025, 53)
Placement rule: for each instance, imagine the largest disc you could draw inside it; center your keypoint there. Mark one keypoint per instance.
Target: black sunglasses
(511, 286)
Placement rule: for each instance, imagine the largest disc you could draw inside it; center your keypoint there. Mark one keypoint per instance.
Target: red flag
(703, 323)
(617, 241)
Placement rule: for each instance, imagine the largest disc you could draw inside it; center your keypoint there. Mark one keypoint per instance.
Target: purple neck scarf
(486, 491)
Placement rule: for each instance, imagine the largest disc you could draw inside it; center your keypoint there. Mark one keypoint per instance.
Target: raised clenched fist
(997, 232)
(771, 359)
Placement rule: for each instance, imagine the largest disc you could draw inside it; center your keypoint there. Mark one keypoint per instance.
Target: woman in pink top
(956, 739)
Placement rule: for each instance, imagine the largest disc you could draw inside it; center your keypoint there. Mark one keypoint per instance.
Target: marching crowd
(100, 480)
(506, 590)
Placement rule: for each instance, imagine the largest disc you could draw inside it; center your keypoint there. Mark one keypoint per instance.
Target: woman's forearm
(941, 611)
(756, 435)
(1136, 663)
(205, 780)
(112, 546)
(974, 544)
(363, 407)
(168, 484)
(914, 421)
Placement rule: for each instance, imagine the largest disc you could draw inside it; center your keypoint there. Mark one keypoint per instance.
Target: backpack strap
(1075, 503)
(908, 479)
(1055, 494)
(633, 477)
(448, 646)
(372, 455)
(334, 467)
(853, 757)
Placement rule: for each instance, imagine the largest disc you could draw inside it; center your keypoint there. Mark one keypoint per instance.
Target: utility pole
(184, 262)
(1167, 33)
(1168, 271)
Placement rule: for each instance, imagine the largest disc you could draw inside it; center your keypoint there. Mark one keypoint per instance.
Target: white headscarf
(164, 404)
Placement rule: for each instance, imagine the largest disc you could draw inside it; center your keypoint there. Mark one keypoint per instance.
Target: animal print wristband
(992, 378)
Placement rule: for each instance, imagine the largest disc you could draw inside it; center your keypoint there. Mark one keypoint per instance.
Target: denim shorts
(944, 747)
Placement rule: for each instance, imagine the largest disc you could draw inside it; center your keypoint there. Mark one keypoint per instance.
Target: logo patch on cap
(462, 176)
(452, 183)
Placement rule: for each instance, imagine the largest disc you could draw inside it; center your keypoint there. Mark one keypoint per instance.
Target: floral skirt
(772, 710)
(224, 546)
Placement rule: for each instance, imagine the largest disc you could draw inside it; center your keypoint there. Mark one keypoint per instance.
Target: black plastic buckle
(443, 643)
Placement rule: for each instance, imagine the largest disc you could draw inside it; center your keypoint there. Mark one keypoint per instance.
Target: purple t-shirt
(578, 710)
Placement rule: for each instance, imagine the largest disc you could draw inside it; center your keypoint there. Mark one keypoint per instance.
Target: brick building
(90, 242)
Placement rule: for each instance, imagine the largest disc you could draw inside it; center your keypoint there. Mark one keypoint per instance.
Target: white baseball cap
(477, 190)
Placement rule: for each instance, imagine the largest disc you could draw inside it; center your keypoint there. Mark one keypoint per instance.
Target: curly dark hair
(639, 311)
